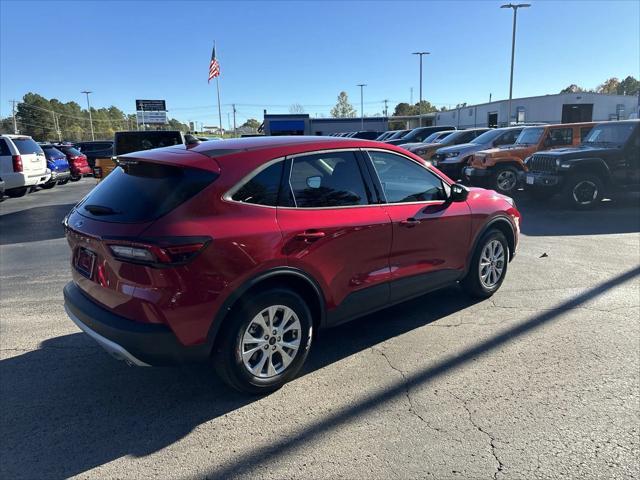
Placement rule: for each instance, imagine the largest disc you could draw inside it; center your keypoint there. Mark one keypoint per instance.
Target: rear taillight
(17, 163)
(163, 253)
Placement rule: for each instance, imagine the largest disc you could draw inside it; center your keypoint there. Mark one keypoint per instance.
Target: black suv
(418, 134)
(608, 159)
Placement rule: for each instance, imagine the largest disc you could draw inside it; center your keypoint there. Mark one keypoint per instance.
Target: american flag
(214, 66)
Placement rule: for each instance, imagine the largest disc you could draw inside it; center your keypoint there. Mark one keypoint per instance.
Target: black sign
(151, 106)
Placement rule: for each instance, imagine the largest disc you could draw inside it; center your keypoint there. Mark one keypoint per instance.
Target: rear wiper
(100, 210)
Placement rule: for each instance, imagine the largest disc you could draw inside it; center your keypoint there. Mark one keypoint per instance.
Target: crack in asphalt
(492, 440)
(412, 409)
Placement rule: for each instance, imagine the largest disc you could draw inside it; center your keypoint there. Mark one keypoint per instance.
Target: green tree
(610, 86)
(343, 108)
(251, 123)
(629, 86)
(573, 88)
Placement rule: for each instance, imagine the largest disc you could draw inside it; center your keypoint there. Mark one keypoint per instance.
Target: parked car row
(26, 164)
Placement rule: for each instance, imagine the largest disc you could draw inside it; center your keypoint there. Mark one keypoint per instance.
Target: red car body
(77, 161)
(345, 262)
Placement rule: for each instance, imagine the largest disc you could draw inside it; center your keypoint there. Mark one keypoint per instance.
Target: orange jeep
(501, 168)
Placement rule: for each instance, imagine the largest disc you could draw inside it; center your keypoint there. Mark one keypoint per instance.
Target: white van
(22, 164)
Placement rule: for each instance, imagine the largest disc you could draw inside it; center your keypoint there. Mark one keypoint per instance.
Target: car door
(431, 236)
(333, 229)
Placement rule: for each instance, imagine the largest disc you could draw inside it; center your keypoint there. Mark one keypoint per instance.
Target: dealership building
(558, 108)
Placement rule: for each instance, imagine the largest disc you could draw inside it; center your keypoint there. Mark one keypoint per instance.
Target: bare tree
(296, 108)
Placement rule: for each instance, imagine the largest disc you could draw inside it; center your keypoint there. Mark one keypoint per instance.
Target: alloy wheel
(492, 262)
(506, 180)
(585, 192)
(271, 341)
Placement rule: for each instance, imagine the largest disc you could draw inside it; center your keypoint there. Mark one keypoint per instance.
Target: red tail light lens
(17, 163)
(176, 251)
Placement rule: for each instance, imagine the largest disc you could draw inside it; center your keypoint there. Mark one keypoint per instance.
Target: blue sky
(273, 54)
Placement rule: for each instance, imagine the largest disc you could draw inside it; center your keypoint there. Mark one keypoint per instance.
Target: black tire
(16, 192)
(75, 178)
(48, 185)
(505, 179)
(227, 356)
(472, 282)
(63, 182)
(583, 191)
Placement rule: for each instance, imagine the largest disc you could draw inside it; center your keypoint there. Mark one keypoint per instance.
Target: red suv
(238, 251)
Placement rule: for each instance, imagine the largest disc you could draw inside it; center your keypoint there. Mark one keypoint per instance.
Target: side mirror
(458, 193)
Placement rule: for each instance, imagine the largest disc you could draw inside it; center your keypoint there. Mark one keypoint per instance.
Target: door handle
(310, 236)
(410, 222)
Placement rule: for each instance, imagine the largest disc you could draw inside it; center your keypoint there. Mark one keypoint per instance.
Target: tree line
(52, 120)
(611, 86)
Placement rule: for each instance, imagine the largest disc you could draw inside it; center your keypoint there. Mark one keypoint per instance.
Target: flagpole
(218, 90)
(219, 110)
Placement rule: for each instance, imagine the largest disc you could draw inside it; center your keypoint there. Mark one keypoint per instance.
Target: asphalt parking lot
(541, 381)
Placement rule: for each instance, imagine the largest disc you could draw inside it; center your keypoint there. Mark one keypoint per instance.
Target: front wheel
(583, 191)
(264, 342)
(17, 192)
(488, 266)
(506, 179)
(63, 182)
(75, 178)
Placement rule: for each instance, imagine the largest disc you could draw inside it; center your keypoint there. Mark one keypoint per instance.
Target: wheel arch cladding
(290, 279)
(503, 225)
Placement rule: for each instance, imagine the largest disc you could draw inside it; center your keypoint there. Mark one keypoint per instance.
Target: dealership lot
(540, 381)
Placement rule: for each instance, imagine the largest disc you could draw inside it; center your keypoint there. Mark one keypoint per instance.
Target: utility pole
(55, 126)
(87, 92)
(15, 125)
(229, 120)
(420, 54)
(362, 85)
(234, 119)
(386, 112)
(411, 96)
(515, 8)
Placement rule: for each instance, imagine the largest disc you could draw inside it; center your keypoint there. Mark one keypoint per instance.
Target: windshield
(399, 134)
(487, 137)
(610, 134)
(436, 137)
(530, 136)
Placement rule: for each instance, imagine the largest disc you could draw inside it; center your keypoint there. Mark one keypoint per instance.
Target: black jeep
(608, 159)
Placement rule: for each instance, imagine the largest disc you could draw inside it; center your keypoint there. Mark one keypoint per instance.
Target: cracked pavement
(541, 381)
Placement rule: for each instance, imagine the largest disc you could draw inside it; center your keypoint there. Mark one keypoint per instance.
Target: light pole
(362, 85)
(515, 8)
(420, 54)
(87, 92)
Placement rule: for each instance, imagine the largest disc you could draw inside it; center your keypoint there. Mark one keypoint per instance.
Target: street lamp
(515, 8)
(362, 85)
(87, 92)
(420, 104)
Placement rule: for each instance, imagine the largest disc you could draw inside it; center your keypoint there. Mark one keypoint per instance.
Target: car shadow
(68, 407)
(551, 218)
(33, 224)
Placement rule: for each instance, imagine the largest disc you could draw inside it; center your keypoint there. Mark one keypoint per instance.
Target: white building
(558, 108)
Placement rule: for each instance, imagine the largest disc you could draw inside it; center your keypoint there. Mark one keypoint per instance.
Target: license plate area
(530, 179)
(85, 260)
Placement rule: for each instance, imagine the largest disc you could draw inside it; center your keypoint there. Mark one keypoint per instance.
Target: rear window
(129, 142)
(26, 145)
(70, 150)
(143, 191)
(52, 152)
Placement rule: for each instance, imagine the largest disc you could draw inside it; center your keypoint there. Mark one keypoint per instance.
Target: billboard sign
(151, 111)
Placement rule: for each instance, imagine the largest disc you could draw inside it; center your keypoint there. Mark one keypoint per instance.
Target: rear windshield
(143, 191)
(26, 145)
(70, 150)
(129, 142)
(52, 152)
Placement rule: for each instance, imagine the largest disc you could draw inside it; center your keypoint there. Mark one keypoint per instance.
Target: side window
(561, 136)
(330, 179)
(584, 131)
(263, 188)
(404, 180)
(509, 137)
(4, 148)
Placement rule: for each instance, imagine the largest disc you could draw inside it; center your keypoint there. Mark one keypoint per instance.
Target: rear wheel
(506, 179)
(264, 342)
(16, 192)
(488, 265)
(48, 185)
(63, 182)
(583, 191)
(75, 178)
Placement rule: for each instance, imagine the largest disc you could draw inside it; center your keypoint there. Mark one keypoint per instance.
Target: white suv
(22, 164)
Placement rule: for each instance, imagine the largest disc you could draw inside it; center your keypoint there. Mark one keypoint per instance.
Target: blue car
(58, 164)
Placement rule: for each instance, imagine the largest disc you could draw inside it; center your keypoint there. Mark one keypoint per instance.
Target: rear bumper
(141, 344)
(57, 176)
(85, 170)
(21, 179)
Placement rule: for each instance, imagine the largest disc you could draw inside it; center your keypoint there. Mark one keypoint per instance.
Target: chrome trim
(115, 350)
